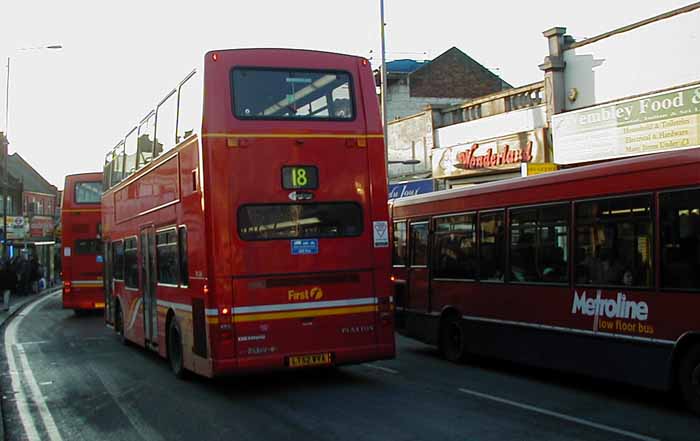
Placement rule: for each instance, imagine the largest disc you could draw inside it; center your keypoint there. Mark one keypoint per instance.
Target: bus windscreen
(292, 94)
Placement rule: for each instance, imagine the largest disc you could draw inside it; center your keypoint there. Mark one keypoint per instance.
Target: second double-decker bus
(246, 228)
(82, 261)
(594, 270)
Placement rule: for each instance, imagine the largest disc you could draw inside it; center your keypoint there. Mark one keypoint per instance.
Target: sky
(69, 107)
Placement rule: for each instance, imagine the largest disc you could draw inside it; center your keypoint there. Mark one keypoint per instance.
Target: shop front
(489, 160)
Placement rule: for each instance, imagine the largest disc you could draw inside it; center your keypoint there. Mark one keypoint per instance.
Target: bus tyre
(689, 378)
(175, 358)
(453, 339)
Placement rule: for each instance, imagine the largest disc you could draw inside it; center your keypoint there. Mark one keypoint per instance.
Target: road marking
(35, 393)
(560, 415)
(381, 368)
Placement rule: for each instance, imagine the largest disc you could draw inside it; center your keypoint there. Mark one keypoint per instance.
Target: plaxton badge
(360, 329)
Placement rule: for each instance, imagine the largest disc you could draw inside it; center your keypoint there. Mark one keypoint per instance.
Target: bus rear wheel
(689, 378)
(453, 343)
(175, 358)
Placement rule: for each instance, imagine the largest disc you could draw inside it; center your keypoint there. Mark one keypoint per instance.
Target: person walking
(8, 281)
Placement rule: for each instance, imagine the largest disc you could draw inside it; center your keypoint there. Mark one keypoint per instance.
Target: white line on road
(25, 414)
(381, 368)
(560, 415)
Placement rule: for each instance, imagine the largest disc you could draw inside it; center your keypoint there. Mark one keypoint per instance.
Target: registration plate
(310, 360)
(99, 305)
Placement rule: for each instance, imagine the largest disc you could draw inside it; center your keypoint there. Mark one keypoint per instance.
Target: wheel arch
(447, 311)
(687, 340)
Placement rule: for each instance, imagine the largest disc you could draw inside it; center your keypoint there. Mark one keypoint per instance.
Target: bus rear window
(88, 246)
(298, 221)
(292, 94)
(88, 192)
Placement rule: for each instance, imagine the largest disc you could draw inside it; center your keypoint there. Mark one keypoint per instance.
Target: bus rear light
(392, 278)
(215, 57)
(66, 287)
(365, 62)
(205, 290)
(224, 311)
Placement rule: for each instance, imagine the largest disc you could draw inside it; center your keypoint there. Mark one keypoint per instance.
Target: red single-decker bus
(594, 270)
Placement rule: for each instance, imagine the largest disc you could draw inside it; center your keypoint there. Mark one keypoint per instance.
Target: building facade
(449, 79)
(36, 212)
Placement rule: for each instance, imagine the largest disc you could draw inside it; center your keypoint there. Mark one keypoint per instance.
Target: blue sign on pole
(304, 246)
(410, 188)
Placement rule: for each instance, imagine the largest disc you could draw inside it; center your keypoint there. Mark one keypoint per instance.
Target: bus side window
(492, 246)
(166, 257)
(399, 248)
(182, 253)
(419, 244)
(614, 242)
(118, 260)
(680, 239)
(166, 120)
(131, 266)
(455, 247)
(539, 244)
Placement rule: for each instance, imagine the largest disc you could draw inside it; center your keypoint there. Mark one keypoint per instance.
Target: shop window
(118, 260)
(399, 248)
(614, 242)
(680, 239)
(131, 267)
(166, 254)
(492, 246)
(538, 247)
(419, 244)
(455, 247)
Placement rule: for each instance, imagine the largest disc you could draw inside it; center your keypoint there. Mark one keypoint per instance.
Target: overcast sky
(69, 107)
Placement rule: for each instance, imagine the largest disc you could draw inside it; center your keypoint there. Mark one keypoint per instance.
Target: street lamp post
(383, 88)
(5, 141)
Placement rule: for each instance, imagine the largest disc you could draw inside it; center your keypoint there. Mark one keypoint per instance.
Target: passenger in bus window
(628, 278)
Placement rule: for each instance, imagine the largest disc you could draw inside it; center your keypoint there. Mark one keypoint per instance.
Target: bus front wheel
(453, 339)
(689, 378)
(175, 358)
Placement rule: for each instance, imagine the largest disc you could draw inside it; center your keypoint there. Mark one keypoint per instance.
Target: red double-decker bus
(247, 228)
(594, 270)
(82, 260)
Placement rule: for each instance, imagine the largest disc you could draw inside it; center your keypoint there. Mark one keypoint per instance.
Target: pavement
(16, 304)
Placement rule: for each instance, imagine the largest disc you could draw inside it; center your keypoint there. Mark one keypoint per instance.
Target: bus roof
(638, 163)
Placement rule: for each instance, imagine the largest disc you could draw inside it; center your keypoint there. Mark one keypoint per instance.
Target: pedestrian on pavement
(8, 281)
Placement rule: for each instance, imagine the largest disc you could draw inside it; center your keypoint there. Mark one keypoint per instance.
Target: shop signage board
(17, 227)
(538, 169)
(648, 124)
(410, 188)
(503, 153)
(41, 226)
